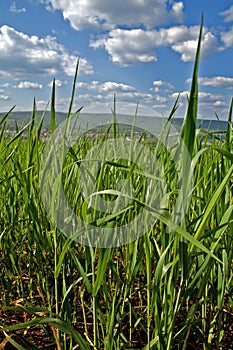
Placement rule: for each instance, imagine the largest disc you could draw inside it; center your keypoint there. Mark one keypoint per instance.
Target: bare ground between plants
(42, 336)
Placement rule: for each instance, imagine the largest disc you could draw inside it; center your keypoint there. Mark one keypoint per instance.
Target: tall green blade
(6, 115)
(52, 110)
(73, 89)
(104, 258)
(229, 129)
(189, 125)
(188, 133)
(213, 201)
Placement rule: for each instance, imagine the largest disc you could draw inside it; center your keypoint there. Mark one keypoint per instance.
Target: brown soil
(45, 337)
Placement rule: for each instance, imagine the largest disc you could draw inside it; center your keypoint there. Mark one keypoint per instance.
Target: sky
(142, 51)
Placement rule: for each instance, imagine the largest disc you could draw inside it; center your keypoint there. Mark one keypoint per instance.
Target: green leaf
(224, 152)
(59, 324)
(104, 258)
(229, 129)
(189, 126)
(52, 110)
(73, 89)
(62, 256)
(19, 133)
(212, 203)
(6, 115)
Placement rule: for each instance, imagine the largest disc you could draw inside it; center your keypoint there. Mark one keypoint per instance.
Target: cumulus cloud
(182, 94)
(29, 85)
(15, 10)
(105, 91)
(58, 83)
(209, 96)
(219, 103)
(161, 83)
(106, 86)
(187, 48)
(201, 94)
(212, 100)
(132, 46)
(96, 102)
(109, 14)
(206, 99)
(219, 82)
(164, 87)
(4, 97)
(184, 39)
(23, 55)
(227, 38)
(228, 14)
(161, 99)
(136, 96)
(127, 47)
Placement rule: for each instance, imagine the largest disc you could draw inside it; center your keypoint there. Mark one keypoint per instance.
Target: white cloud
(112, 86)
(58, 83)
(188, 47)
(128, 47)
(182, 94)
(161, 99)
(5, 85)
(4, 97)
(136, 96)
(22, 55)
(208, 104)
(158, 83)
(68, 64)
(219, 103)
(206, 99)
(109, 14)
(209, 96)
(227, 38)
(177, 9)
(160, 106)
(29, 85)
(108, 86)
(201, 94)
(228, 14)
(15, 10)
(220, 82)
(161, 83)
(41, 105)
(212, 101)
(155, 89)
(161, 86)
(97, 92)
(98, 104)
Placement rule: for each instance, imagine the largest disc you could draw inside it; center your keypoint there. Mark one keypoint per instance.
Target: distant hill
(91, 120)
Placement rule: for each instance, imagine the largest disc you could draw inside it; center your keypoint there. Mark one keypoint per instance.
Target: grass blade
(189, 126)
(52, 110)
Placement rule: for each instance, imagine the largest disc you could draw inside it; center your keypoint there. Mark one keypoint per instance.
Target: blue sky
(140, 50)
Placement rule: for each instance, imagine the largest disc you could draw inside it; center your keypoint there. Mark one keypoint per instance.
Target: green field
(163, 282)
